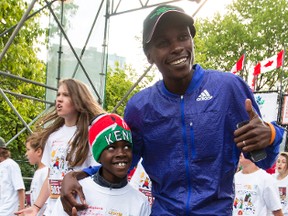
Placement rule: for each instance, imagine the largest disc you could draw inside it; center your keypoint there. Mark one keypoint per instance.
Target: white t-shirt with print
(126, 201)
(255, 194)
(54, 157)
(10, 182)
(283, 192)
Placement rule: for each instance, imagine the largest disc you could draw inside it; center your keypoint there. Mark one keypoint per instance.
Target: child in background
(255, 191)
(34, 151)
(65, 137)
(12, 189)
(108, 190)
(281, 177)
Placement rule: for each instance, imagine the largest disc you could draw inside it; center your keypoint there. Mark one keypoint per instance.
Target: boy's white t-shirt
(255, 194)
(10, 182)
(36, 184)
(283, 192)
(54, 157)
(124, 201)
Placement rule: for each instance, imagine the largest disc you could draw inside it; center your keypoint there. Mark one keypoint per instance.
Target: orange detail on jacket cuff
(273, 132)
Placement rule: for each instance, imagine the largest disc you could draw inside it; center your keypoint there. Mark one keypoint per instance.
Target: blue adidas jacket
(187, 142)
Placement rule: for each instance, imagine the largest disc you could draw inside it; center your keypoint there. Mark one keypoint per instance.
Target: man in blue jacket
(184, 126)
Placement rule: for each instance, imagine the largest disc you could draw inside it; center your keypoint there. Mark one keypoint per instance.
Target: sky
(125, 28)
(126, 44)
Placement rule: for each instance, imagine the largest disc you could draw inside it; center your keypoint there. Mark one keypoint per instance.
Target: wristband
(273, 132)
(37, 206)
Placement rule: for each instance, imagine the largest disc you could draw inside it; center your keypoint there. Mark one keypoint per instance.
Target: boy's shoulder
(118, 199)
(89, 185)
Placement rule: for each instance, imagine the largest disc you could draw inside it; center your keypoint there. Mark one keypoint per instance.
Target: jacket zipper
(193, 151)
(186, 154)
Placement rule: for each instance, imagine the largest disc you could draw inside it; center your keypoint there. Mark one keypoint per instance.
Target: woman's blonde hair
(87, 108)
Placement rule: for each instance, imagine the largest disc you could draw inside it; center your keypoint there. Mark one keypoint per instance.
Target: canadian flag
(239, 65)
(269, 64)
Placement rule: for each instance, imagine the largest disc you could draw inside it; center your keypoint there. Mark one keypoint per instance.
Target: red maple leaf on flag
(268, 64)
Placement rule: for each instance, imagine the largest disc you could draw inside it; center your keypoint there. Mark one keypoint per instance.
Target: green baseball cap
(158, 13)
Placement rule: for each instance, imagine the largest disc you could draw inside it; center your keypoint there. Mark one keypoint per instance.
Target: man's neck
(178, 86)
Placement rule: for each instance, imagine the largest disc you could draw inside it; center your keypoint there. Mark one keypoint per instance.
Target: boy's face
(116, 160)
(33, 156)
(171, 48)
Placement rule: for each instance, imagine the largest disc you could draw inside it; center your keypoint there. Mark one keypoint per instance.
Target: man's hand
(69, 189)
(254, 135)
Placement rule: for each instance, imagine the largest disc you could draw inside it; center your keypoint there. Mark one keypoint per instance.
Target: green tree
(118, 82)
(259, 28)
(20, 60)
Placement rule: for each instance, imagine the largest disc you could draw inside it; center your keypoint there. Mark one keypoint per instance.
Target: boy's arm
(38, 204)
(278, 213)
(21, 196)
(70, 188)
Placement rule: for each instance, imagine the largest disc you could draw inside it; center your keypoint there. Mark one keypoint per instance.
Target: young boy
(34, 151)
(111, 142)
(255, 191)
(12, 189)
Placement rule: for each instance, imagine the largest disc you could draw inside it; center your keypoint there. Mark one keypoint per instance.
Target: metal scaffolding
(109, 8)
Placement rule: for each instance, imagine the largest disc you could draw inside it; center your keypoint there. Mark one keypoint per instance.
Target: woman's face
(281, 165)
(64, 105)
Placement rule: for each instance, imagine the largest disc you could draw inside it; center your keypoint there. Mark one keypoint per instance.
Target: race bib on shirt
(55, 188)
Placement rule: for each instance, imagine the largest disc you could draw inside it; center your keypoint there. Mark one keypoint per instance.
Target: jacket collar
(194, 83)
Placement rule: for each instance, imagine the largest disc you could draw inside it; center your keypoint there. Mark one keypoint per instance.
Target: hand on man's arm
(69, 189)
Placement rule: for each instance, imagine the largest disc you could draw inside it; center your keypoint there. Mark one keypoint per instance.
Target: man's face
(171, 49)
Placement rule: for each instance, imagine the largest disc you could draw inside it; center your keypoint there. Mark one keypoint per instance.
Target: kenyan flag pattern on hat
(106, 129)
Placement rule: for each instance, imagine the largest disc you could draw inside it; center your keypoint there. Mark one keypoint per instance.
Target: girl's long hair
(87, 108)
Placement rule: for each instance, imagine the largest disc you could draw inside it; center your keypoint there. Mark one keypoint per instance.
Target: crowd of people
(183, 128)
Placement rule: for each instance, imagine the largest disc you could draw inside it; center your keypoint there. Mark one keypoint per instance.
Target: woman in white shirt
(281, 177)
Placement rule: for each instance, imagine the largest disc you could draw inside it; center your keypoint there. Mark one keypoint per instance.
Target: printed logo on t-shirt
(101, 211)
(283, 195)
(244, 202)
